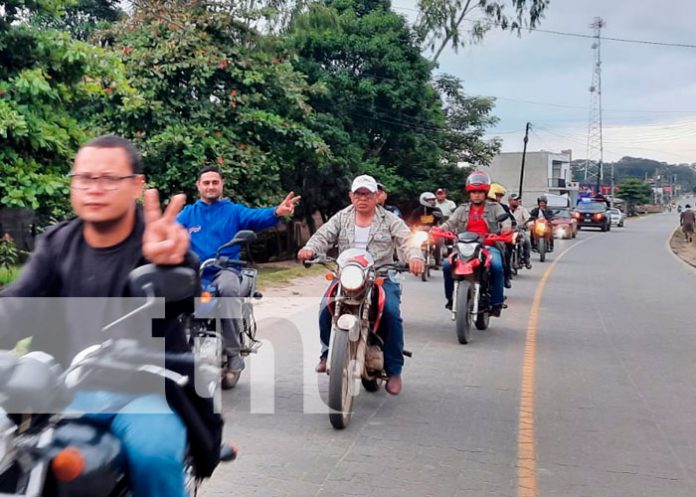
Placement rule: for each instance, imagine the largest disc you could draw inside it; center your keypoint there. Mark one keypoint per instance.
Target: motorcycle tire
(426, 271)
(229, 379)
(541, 246)
(370, 385)
(482, 321)
(340, 382)
(463, 318)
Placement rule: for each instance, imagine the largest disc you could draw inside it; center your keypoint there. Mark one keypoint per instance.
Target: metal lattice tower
(594, 163)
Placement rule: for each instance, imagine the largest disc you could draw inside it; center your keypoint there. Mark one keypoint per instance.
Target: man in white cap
(367, 226)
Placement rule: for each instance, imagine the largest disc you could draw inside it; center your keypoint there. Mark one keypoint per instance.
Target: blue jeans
(497, 277)
(391, 328)
(153, 436)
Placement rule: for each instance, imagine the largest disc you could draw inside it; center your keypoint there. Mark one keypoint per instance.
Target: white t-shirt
(361, 237)
(446, 206)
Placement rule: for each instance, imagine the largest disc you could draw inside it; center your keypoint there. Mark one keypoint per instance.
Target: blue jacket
(210, 226)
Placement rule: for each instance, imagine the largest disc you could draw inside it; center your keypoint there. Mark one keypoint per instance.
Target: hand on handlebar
(416, 266)
(305, 254)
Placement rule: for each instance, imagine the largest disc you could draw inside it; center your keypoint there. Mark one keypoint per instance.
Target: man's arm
(256, 218)
(405, 241)
(326, 236)
(455, 221)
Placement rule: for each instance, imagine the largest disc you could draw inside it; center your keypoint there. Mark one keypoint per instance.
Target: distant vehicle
(564, 224)
(592, 215)
(617, 217)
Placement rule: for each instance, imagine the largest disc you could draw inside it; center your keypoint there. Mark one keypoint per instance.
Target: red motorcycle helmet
(478, 181)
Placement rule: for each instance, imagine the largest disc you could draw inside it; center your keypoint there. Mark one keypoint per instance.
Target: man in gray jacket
(479, 216)
(367, 226)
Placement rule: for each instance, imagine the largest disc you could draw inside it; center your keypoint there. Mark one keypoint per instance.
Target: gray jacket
(460, 217)
(388, 232)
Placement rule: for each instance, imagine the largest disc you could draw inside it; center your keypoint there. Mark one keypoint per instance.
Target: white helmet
(427, 199)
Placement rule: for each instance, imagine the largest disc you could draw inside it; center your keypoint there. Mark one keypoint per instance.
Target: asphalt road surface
(584, 387)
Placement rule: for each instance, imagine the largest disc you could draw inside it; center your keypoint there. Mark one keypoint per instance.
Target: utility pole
(524, 153)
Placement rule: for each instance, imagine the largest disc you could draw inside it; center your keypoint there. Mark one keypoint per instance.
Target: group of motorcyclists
(93, 254)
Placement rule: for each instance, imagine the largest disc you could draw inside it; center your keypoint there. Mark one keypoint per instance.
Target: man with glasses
(92, 256)
(213, 221)
(366, 226)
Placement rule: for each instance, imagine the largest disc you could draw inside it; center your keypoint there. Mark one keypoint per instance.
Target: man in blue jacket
(213, 221)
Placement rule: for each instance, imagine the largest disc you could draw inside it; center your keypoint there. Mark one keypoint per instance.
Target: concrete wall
(538, 168)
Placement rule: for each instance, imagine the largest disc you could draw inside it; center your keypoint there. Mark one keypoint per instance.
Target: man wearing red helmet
(479, 216)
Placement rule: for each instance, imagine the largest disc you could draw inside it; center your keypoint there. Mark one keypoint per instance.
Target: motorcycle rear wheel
(463, 319)
(340, 382)
(370, 385)
(482, 321)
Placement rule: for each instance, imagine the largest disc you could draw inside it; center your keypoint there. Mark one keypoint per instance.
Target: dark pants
(391, 328)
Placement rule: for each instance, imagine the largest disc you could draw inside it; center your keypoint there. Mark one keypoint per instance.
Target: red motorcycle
(356, 302)
(471, 262)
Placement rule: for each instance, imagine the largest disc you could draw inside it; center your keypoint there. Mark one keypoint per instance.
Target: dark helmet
(542, 198)
(687, 206)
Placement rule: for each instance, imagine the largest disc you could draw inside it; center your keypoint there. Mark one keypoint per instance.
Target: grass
(8, 275)
(276, 276)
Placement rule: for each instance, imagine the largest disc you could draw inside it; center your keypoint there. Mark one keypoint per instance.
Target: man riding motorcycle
(496, 194)
(92, 256)
(521, 215)
(367, 226)
(479, 216)
(425, 216)
(382, 195)
(213, 221)
(542, 211)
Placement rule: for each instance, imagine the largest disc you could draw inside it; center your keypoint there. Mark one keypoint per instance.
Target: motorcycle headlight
(420, 237)
(466, 249)
(540, 229)
(352, 277)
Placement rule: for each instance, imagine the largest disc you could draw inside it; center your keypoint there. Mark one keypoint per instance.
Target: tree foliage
(635, 192)
(440, 22)
(208, 95)
(47, 82)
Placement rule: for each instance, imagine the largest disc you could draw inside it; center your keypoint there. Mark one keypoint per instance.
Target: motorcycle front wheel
(341, 382)
(463, 320)
(426, 272)
(541, 245)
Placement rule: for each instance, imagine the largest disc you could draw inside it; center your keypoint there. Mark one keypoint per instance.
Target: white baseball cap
(365, 181)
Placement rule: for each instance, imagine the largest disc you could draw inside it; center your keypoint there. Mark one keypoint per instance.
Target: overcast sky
(648, 91)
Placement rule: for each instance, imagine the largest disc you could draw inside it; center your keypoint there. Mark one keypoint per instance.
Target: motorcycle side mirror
(174, 283)
(243, 236)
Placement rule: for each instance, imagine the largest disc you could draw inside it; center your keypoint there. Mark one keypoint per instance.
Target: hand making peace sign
(287, 206)
(164, 241)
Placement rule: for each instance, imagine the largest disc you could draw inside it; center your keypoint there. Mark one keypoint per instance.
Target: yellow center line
(526, 449)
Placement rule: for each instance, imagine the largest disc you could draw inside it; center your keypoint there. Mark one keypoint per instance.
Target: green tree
(635, 192)
(47, 82)
(210, 91)
(377, 107)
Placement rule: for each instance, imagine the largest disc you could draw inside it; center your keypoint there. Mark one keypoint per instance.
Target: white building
(544, 172)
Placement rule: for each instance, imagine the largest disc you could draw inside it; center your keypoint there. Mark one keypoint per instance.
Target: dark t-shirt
(75, 284)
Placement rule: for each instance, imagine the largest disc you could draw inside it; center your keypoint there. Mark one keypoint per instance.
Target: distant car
(617, 217)
(592, 215)
(564, 224)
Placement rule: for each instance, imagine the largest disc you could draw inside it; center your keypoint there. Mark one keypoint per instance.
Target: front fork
(477, 294)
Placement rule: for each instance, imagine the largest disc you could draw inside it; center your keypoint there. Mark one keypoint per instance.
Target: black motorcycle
(45, 452)
(206, 328)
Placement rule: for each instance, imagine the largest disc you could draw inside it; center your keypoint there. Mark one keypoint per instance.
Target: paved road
(614, 411)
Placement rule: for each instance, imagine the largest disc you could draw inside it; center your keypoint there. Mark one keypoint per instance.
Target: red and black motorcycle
(356, 301)
(471, 262)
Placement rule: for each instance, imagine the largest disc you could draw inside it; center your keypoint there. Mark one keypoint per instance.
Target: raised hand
(287, 206)
(165, 241)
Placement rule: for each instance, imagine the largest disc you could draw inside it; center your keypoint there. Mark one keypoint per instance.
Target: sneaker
(393, 385)
(528, 265)
(508, 283)
(321, 367)
(448, 305)
(496, 310)
(235, 362)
